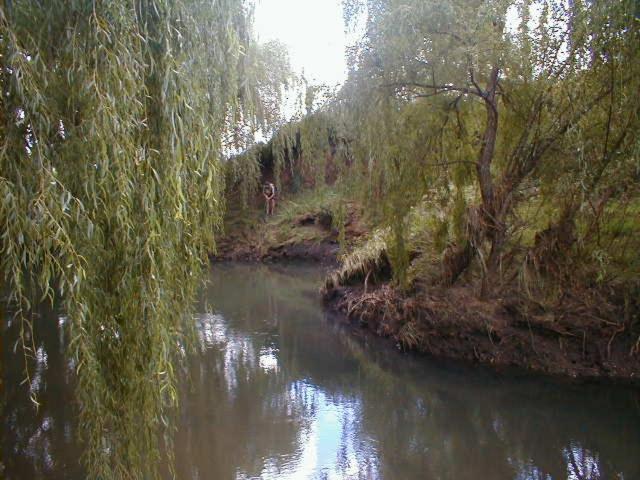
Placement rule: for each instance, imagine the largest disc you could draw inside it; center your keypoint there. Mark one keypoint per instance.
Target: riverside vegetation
(477, 176)
(488, 154)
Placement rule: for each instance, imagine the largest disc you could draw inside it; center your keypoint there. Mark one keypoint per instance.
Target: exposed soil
(324, 251)
(573, 339)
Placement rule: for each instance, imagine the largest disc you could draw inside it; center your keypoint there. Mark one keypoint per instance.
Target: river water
(282, 390)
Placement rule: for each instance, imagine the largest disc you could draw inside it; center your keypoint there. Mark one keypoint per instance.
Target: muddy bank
(324, 252)
(309, 237)
(574, 340)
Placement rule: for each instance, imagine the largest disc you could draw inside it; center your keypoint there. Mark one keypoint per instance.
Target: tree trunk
(481, 223)
(492, 227)
(483, 167)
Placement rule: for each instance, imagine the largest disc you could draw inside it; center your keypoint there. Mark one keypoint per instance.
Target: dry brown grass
(368, 259)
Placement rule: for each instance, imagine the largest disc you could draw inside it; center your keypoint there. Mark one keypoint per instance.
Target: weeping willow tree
(113, 118)
(270, 77)
(305, 152)
(300, 150)
(505, 127)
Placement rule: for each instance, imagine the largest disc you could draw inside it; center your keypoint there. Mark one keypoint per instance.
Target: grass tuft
(362, 261)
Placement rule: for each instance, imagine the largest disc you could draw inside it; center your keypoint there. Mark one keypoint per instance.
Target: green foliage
(338, 221)
(566, 105)
(407, 135)
(312, 202)
(300, 150)
(113, 118)
(243, 172)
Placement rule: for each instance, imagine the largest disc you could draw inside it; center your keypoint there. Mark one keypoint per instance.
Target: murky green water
(283, 391)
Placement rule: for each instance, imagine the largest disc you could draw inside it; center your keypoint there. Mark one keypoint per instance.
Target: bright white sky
(313, 32)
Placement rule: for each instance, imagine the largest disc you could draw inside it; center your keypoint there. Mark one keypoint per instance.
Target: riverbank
(582, 335)
(298, 232)
(572, 339)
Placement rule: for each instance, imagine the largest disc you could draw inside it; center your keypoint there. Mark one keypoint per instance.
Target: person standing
(269, 192)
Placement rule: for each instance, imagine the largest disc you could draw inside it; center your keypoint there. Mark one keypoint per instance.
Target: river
(283, 390)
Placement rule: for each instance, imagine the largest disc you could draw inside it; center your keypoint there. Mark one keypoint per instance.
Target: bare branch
(437, 89)
(452, 35)
(452, 162)
(474, 83)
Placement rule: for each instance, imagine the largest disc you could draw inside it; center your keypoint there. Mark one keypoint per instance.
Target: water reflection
(305, 400)
(38, 442)
(280, 391)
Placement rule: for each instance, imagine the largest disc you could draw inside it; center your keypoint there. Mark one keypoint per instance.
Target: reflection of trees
(275, 376)
(39, 442)
(448, 423)
(428, 421)
(266, 416)
(425, 419)
(227, 421)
